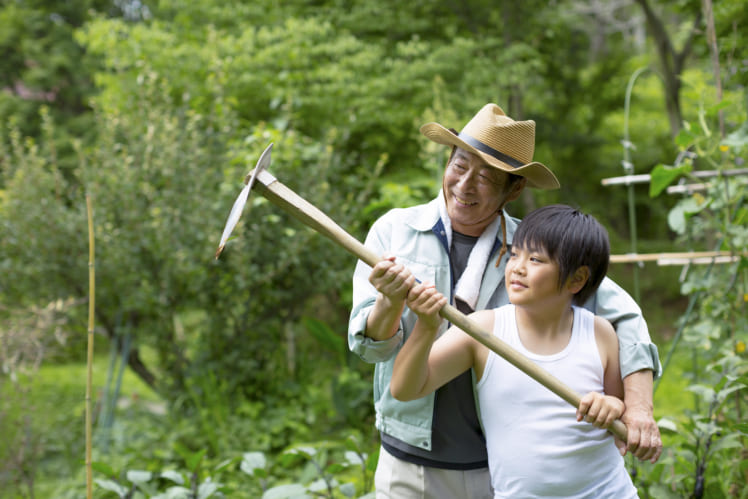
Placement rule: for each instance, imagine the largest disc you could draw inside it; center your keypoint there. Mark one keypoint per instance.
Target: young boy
(537, 445)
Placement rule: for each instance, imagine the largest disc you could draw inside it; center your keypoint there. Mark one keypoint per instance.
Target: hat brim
(537, 174)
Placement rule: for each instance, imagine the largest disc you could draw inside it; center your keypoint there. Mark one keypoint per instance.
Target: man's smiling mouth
(464, 202)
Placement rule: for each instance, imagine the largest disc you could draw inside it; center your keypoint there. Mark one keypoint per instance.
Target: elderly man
(434, 446)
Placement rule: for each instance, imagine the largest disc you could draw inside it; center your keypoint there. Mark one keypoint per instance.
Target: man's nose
(468, 179)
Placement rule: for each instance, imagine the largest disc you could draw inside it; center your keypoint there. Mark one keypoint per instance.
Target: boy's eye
(539, 258)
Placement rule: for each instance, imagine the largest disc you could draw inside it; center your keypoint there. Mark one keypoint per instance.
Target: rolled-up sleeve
(368, 349)
(636, 350)
(364, 296)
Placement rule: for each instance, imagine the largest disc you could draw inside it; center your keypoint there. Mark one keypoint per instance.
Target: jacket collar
(427, 217)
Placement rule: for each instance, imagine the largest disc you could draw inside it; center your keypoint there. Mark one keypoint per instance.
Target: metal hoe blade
(236, 210)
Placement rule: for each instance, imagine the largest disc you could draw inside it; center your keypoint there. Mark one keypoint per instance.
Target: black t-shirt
(457, 439)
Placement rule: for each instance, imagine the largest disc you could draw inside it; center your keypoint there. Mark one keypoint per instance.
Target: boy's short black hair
(571, 238)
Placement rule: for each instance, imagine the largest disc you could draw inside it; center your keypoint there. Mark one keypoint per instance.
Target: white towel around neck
(468, 286)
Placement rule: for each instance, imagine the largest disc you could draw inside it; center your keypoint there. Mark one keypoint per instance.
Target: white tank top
(536, 447)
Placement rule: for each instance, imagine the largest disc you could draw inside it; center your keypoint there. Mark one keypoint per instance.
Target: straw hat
(501, 142)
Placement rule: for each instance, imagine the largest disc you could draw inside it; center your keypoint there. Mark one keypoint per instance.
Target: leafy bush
(706, 456)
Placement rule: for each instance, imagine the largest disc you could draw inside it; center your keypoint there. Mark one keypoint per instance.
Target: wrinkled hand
(599, 409)
(425, 301)
(644, 440)
(391, 279)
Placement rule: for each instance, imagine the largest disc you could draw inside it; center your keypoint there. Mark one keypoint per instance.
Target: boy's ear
(578, 279)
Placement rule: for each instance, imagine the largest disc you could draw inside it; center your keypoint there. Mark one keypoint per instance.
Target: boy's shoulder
(605, 334)
(603, 325)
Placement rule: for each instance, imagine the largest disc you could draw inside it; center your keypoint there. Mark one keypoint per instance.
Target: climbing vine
(708, 457)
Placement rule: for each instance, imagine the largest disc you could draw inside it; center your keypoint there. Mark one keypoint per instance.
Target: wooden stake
(89, 360)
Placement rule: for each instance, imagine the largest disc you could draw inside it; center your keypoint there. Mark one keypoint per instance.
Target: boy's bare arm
(607, 345)
(423, 364)
(601, 409)
(411, 370)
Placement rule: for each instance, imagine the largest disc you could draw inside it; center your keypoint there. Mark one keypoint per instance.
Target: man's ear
(517, 188)
(578, 279)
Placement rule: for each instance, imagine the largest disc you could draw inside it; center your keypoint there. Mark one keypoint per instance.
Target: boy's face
(532, 279)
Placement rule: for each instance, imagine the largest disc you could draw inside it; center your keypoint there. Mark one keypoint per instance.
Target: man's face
(474, 192)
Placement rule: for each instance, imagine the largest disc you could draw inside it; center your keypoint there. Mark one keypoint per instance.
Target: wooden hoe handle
(299, 208)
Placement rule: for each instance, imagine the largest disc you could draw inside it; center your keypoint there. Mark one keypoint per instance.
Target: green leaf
(193, 460)
(348, 489)
(676, 219)
(325, 335)
(290, 491)
(319, 485)
(175, 493)
(110, 485)
(354, 458)
(225, 464)
(685, 137)
(207, 489)
(738, 139)
(371, 461)
(335, 468)
(138, 477)
(667, 424)
(252, 461)
(103, 468)
(662, 176)
(302, 450)
(730, 441)
(174, 476)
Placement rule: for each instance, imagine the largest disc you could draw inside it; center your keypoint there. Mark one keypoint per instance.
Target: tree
(672, 61)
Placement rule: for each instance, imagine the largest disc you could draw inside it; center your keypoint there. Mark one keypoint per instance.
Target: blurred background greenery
(157, 110)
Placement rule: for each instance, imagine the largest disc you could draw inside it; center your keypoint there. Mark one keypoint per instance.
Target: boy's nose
(518, 268)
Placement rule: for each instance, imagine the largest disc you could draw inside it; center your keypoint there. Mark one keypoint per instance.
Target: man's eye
(487, 178)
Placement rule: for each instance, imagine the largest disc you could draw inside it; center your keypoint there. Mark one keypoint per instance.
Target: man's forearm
(643, 434)
(638, 390)
(384, 319)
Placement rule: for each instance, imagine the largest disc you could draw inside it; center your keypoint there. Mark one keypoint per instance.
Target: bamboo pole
(688, 255)
(645, 177)
(89, 360)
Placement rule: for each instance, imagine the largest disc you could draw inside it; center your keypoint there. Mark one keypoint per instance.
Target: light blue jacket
(415, 236)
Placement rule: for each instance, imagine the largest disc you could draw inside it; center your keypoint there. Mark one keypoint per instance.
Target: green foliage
(708, 460)
(330, 469)
(159, 111)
